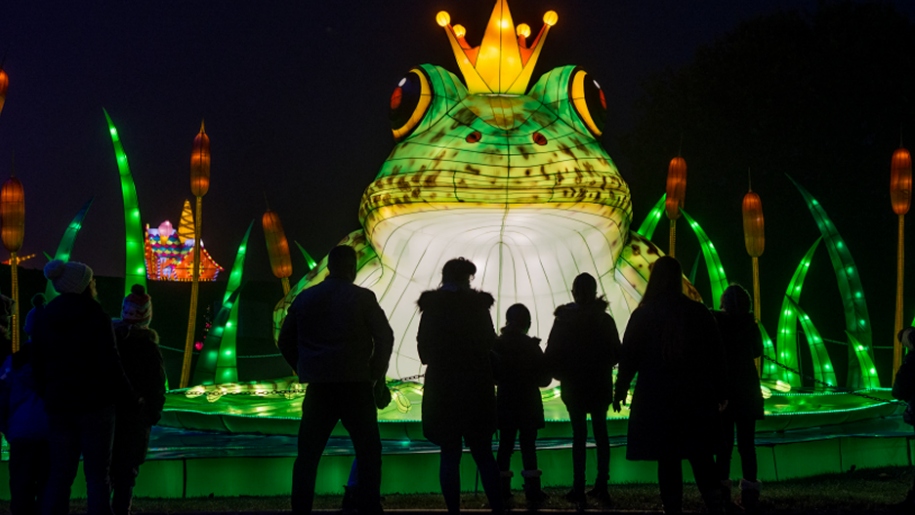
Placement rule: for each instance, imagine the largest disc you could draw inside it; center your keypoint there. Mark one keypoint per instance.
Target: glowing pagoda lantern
(4, 84)
(200, 184)
(676, 196)
(165, 230)
(901, 197)
(12, 219)
(277, 247)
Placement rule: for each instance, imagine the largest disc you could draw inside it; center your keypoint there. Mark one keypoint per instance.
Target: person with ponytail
(138, 346)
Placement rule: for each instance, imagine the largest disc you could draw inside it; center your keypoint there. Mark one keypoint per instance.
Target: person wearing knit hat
(68, 276)
(73, 343)
(138, 346)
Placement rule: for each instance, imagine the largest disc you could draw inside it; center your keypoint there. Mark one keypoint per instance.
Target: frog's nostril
(474, 137)
(538, 138)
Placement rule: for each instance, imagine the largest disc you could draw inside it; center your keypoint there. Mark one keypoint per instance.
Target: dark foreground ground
(862, 491)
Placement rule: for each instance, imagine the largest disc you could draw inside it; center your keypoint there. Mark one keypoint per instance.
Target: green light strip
(770, 371)
(651, 221)
(308, 259)
(65, 248)
(857, 321)
(868, 370)
(218, 362)
(787, 320)
(822, 365)
(135, 262)
(712, 262)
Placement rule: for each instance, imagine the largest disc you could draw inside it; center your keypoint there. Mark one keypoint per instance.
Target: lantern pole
(200, 183)
(676, 193)
(14, 317)
(12, 219)
(901, 196)
(755, 241)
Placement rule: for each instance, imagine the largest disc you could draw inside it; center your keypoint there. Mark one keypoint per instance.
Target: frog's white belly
(526, 255)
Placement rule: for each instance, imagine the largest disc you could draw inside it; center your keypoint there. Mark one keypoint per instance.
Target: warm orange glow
(459, 31)
(550, 18)
(4, 84)
(676, 187)
(277, 245)
(200, 164)
(443, 18)
(754, 225)
(523, 30)
(12, 214)
(901, 181)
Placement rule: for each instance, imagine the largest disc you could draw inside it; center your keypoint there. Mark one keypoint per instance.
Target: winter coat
(581, 352)
(142, 361)
(334, 332)
(455, 341)
(22, 412)
(904, 386)
(742, 344)
(75, 351)
(674, 409)
(520, 371)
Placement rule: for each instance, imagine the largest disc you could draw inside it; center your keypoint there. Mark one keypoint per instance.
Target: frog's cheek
(589, 101)
(409, 103)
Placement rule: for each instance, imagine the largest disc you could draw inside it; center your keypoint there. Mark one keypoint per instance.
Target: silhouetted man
(339, 341)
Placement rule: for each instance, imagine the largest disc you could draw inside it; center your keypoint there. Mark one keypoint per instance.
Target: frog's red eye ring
(589, 101)
(409, 102)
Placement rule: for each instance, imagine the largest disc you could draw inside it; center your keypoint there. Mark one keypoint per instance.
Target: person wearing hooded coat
(138, 346)
(742, 343)
(672, 343)
(455, 341)
(583, 348)
(904, 390)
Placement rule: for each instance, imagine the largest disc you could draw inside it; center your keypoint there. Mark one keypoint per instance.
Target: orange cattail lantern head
(200, 164)
(676, 187)
(277, 245)
(12, 214)
(901, 181)
(4, 84)
(754, 225)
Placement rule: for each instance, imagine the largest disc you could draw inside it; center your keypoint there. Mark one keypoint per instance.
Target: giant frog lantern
(516, 182)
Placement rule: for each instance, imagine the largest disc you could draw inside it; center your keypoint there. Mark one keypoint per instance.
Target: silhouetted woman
(455, 340)
(583, 348)
(520, 372)
(673, 344)
(742, 344)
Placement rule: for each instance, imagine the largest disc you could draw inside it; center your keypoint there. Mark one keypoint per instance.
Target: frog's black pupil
(410, 89)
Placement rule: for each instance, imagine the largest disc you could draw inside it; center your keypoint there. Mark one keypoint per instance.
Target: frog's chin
(523, 254)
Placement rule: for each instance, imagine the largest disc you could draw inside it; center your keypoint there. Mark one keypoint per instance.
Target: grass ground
(872, 490)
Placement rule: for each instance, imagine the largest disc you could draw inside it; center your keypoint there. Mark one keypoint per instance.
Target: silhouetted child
(138, 346)
(520, 372)
(904, 390)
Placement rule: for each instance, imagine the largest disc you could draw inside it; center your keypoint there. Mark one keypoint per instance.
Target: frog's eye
(589, 101)
(409, 103)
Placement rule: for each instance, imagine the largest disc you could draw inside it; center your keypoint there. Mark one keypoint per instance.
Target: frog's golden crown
(503, 63)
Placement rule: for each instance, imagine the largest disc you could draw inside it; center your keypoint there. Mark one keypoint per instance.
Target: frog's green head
(491, 149)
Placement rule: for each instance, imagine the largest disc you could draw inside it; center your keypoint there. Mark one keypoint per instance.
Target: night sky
(295, 98)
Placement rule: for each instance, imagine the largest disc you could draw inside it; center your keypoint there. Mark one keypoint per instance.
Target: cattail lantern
(200, 164)
(901, 197)
(754, 225)
(277, 247)
(901, 181)
(676, 196)
(4, 84)
(12, 220)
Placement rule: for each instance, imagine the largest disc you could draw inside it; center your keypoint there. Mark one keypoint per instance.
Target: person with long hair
(583, 348)
(455, 341)
(742, 344)
(673, 344)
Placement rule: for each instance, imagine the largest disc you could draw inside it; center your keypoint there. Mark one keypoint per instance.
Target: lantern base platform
(190, 463)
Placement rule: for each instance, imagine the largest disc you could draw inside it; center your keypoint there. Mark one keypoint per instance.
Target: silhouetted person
(24, 422)
(583, 348)
(742, 343)
(79, 375)
(138, 346)
(455, 341)
(673, 344)
(520, 372)
(338, 339)
(904, 390)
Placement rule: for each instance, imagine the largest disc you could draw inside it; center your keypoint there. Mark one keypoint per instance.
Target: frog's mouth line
(523, 254)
